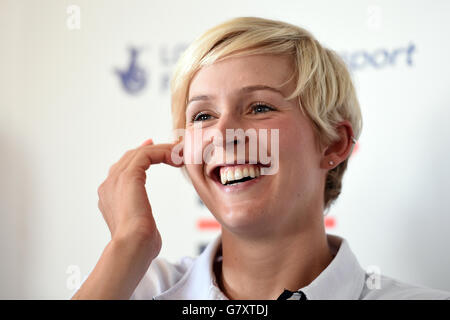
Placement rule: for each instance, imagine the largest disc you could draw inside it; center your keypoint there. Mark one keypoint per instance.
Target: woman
(254, 75)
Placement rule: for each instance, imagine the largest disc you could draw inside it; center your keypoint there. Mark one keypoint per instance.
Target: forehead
(236, 72)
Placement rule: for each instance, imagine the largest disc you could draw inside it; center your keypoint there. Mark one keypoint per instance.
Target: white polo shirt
(343, 278)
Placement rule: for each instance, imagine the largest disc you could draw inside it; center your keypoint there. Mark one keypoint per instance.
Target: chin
(244, 219)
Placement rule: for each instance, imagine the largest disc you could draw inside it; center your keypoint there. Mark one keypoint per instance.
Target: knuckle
(100, 189)
(99, 205)
(128, 154)
(116, 165)
(111, 169)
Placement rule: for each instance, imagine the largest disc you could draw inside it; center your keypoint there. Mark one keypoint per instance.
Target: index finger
(154, 154)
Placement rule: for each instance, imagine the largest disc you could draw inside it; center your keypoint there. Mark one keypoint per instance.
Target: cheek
(297, 146)
(291, 137)
(194, 171)
(291, 141)
(198, 181)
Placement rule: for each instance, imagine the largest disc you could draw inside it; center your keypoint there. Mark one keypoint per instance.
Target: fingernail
(148, 141)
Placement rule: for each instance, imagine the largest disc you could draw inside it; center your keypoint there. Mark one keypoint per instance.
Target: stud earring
(331, 162)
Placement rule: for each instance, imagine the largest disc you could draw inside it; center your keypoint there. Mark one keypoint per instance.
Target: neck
(262, 269)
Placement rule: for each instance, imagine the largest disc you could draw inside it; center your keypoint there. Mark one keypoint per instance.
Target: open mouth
(235, 174)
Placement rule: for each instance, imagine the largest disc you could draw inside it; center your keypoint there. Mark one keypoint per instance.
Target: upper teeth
(232, 173)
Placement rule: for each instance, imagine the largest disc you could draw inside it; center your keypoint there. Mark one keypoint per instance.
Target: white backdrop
(69, 108)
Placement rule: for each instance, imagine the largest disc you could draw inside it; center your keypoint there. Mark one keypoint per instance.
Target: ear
(339, 150)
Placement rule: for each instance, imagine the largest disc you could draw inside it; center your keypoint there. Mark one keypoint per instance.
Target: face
(236, 94)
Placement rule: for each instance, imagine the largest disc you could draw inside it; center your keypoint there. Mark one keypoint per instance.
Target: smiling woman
(324, 91)
(240, 84)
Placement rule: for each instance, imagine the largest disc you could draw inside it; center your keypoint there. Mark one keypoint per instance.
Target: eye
(201, 117)
(260, 107)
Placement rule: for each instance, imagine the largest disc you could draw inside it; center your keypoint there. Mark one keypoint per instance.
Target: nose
(228, 122)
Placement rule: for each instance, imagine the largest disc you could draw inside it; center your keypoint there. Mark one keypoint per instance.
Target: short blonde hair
(324, 87)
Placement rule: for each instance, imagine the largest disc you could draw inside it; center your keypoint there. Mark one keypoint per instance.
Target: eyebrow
(243, 90)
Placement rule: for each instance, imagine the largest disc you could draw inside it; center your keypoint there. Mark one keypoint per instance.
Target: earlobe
(327, 163)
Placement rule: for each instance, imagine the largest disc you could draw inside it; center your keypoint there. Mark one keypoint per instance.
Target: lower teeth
(238, 181)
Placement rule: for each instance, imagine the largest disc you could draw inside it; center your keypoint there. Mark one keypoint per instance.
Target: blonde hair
(324, 87)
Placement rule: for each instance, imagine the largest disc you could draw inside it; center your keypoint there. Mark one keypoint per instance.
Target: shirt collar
(343, 278)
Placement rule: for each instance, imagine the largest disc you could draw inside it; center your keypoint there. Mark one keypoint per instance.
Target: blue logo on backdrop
(134, 78)
(378, 59)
